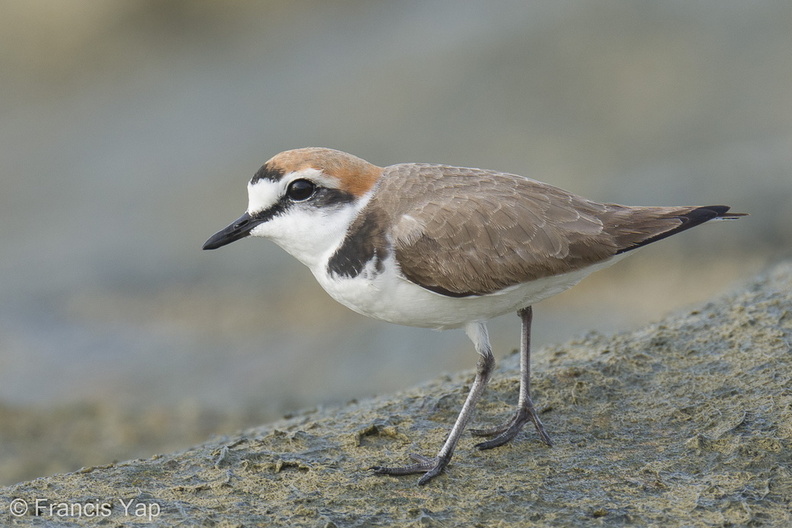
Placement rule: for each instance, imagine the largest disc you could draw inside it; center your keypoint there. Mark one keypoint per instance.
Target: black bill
(240, 228)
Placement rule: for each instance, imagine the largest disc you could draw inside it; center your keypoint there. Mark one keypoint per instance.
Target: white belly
(390, 297)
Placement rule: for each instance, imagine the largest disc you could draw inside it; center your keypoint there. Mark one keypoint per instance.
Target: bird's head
(304, 200)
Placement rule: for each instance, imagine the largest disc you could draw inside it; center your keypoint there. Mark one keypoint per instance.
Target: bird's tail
(683, 219)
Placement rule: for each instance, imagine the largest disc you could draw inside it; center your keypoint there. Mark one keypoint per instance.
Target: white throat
(308, 233)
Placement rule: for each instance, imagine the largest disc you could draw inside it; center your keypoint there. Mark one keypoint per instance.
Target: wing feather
(473, 232)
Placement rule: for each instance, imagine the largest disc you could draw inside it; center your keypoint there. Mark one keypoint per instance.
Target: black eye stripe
(278, 208)
(322, 198)
(319, 196)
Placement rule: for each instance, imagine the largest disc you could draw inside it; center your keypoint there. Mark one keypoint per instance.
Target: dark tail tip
(692, 218)
(712, 211)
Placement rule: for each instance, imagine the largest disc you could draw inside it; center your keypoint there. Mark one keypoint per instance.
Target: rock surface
(687, 422)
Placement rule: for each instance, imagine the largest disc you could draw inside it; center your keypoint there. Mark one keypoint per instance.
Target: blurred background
(128, 131)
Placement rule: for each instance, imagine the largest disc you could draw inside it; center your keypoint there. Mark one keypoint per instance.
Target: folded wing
(475, 232)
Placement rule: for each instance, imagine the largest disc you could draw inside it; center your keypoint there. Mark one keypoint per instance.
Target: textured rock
(687, 422)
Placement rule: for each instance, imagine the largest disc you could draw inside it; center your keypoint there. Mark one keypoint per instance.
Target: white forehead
(262, 195)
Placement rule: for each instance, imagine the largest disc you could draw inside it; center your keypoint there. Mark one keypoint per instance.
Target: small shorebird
(444, 247)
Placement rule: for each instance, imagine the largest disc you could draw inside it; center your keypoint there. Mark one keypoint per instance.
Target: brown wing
(472, 231)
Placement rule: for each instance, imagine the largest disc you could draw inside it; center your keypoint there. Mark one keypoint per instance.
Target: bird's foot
(429, 466)
(506, 432)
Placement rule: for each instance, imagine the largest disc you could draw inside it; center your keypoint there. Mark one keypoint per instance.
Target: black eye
(300, 190)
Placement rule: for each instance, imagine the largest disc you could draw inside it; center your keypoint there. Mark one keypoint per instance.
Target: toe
(429, 466)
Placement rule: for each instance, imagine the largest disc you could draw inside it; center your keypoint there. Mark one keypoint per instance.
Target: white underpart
(390, 297)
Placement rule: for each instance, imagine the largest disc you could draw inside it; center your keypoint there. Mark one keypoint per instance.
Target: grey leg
(525, 407)
(431, 467)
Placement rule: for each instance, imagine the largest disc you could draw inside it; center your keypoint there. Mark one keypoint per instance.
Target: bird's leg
(525, 407)
(431, 467)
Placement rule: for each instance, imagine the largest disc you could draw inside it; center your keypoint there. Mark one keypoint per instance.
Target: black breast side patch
(365, 242)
